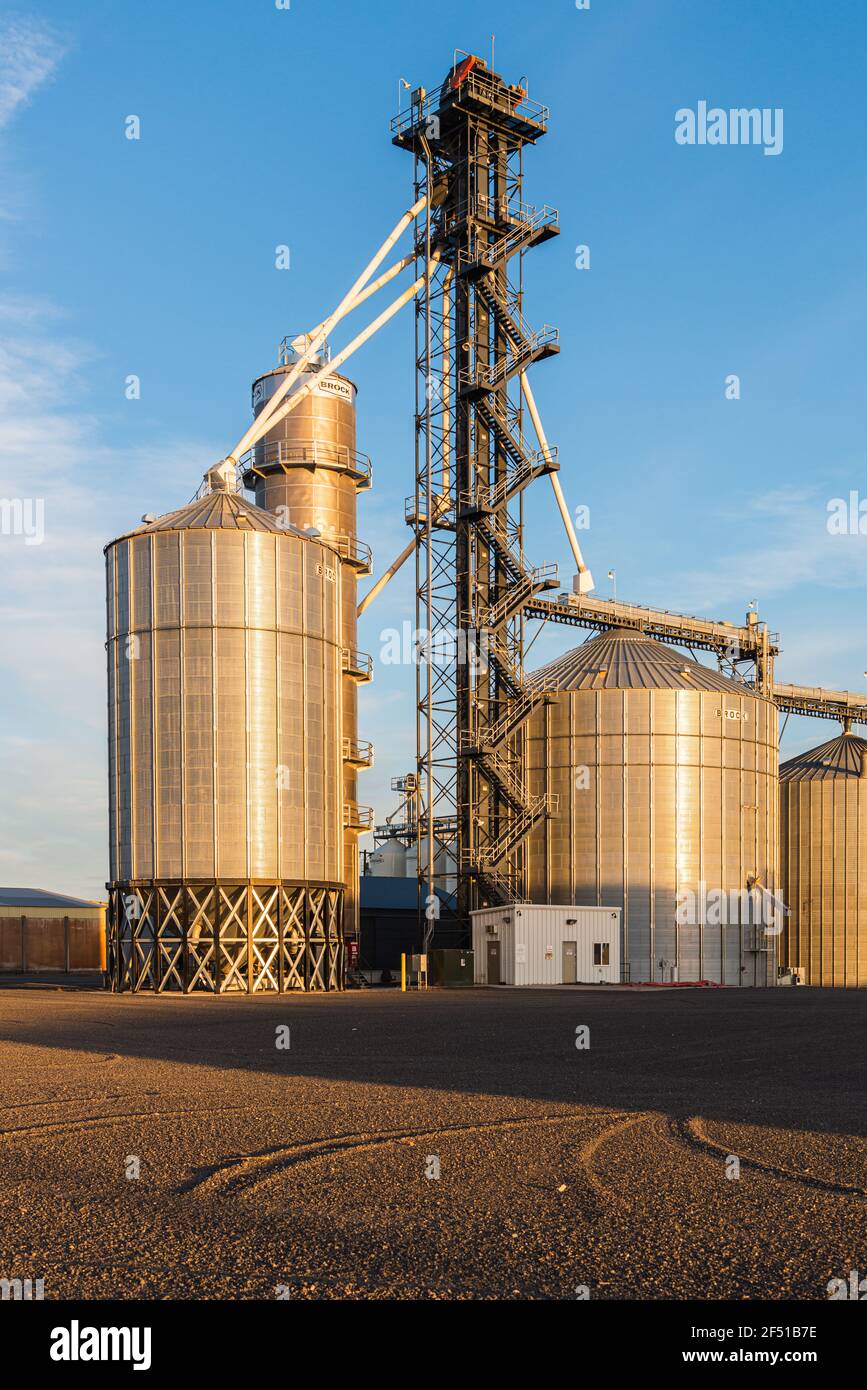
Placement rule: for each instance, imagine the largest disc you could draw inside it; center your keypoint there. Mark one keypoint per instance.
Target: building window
(601, 953)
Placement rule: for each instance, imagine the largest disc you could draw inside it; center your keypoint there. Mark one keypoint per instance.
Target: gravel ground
(304, 1169)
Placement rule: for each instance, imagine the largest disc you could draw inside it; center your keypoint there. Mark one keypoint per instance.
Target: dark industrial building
(390, 924)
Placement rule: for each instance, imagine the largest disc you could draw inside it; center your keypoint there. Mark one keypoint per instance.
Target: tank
(388, 860)
(823, 854)
(225, 702)
(445, 865)
(667, 778)
(308, 472)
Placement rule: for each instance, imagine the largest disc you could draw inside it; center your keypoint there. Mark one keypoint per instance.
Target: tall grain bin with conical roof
(225, 712)
(823, 840)
(666, 773)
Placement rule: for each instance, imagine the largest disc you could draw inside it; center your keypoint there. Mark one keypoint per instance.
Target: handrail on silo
(356, 663)
(358, 751)
(284, 454)
(356, 817)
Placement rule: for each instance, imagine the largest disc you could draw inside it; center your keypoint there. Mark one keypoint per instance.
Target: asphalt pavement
(453, 1145)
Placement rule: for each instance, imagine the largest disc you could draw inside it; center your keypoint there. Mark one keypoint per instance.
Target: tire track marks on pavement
(588, 1153)
(245, 1172)
(90, 1122)
(690, 1133)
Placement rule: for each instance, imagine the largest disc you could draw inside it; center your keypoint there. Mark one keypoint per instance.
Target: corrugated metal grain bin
(224, 699)
(823, 832)
(529, 944)
(666, 776)
(226, 766)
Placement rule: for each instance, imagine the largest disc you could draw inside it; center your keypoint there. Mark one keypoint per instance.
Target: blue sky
(263, 126)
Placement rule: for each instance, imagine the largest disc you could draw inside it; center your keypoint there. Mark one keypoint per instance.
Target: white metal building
(523, 944)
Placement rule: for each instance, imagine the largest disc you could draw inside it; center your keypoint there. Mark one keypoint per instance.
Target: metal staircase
(527, 227)
(525, 464)
(491, 746)
(525, 345)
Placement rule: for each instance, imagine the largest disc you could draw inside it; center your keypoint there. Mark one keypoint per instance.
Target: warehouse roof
(40, 897)
(396, 894)
(840, 757)
(623, 659)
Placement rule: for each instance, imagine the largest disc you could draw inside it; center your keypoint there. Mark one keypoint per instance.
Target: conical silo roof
(840, 757)
(217, 511)
(624, 659)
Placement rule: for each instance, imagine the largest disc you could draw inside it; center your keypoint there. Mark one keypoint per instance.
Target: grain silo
(823, 843)
(307, 471)
(226, 670)
(666, 773)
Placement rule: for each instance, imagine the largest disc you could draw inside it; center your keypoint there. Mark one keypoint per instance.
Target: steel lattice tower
(472, 466)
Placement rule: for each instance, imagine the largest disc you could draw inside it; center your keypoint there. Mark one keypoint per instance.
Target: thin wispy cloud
(29, 56)
(802, 550)
(52, 597)
(52, 449)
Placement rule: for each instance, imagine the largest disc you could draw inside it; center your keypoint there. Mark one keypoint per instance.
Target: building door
(493, 962)
(601, 960)
(570, 962)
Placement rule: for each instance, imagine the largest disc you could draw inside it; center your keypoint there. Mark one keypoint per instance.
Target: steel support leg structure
(225, 938)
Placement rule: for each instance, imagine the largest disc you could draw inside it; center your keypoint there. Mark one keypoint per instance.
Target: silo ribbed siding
(823, 817)
(237, 675)
(226, 681)
(304, 473)
(682, 791)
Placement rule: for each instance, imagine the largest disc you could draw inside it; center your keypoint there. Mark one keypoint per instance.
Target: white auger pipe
(586, 580)
(260, 426)
(371, 289)
(388, 275)
(325, 328)
(389, 574)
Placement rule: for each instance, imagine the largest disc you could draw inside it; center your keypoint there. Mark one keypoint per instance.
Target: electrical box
(451, 968)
